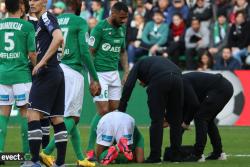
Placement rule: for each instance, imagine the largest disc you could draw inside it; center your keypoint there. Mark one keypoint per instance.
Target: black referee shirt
(147, 71)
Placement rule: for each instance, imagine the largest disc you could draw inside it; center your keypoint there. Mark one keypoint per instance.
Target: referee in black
(165, 92)
(205, 95)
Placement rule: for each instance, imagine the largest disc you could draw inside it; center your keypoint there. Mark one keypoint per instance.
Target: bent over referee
(165, 92)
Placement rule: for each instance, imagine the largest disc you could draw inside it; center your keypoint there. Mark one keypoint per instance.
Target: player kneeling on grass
(118, 127)
(205, 95)
(75, 55)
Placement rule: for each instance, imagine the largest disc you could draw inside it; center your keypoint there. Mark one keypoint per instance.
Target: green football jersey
(76, 50)
(107, 42)
(17, 39)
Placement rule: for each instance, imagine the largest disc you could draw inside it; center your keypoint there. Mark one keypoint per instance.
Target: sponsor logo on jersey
(108, 47)
(91, 41)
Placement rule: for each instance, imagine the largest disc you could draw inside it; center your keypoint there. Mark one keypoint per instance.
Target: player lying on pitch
(118, 139)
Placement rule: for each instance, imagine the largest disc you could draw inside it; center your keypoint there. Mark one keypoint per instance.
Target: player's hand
(124, 79)
(38, 67)
(185, 126)
(95, 88)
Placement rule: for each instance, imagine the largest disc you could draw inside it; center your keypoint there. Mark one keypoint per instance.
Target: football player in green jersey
(107, 45)
(75, 55)
(17, 38)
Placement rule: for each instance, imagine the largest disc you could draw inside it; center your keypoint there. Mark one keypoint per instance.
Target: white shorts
(111, 86)
(19, 93)
(74, 91)
(114, 125)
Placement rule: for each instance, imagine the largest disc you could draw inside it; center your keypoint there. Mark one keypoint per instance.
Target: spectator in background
(3, 12)
(141, 10)
(238, 39)
(219, 34)
(98, 11)
(196, 40)
(203, 11)
(240, 5)
(107, 10)
(92, 22)
(85, 14)
(162, 5)
(178, 6)
(176, 40)
(59, 8)
(205, 61)
(155, 33)
(222, 6)
(227, 61)
(134, 40)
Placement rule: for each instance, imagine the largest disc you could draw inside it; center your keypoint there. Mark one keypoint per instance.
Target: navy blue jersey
(45, 27)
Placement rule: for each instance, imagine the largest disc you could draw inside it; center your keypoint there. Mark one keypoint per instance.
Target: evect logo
(106, 46)
(12, 157)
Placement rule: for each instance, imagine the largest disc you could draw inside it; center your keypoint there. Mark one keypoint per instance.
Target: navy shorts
(48, 91)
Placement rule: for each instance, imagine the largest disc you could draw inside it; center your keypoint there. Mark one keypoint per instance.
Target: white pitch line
(239, 155)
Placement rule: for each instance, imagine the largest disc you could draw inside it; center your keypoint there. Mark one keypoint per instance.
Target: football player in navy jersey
(48, 89)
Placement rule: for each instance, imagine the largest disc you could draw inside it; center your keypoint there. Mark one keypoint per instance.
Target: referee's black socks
(35, 139)
(61, 138)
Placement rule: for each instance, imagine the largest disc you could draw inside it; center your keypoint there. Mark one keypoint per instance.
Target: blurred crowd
(194, 34)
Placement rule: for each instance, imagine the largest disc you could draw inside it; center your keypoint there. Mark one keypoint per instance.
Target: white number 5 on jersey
(9, 41)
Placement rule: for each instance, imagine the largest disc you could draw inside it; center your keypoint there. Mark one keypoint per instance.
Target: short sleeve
(31, 39)
(50, 22)
(95, 37)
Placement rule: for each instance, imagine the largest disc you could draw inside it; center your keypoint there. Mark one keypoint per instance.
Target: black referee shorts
(48, 91)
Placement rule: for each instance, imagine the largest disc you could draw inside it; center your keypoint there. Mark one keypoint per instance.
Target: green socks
(92, 133)
(3, 131)
(76, 143)
(24, 134)
(69, 123)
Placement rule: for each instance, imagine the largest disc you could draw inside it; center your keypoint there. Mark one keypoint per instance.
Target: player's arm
(139, 149)
(94, 39)
(191, 103)
(31, 45)
(128, 88)
(84, 49)
(99, 150)
(95, 87)
(124, 63)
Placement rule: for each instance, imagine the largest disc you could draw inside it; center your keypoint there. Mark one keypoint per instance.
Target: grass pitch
(236, 143)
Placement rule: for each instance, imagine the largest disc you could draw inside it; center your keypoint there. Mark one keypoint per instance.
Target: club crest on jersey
(91, 41)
